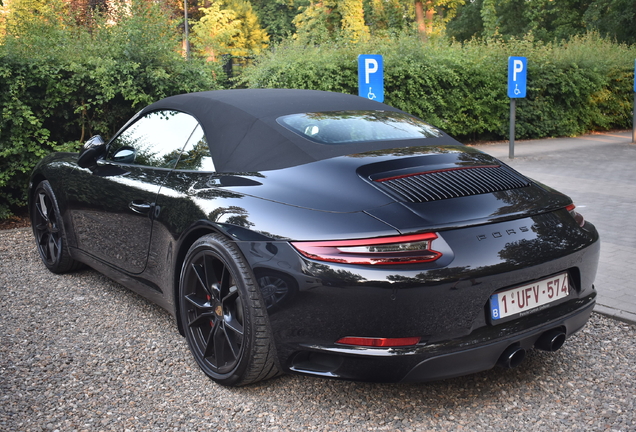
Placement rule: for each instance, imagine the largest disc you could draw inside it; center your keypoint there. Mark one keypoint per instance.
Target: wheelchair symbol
(371, 95)
(516, 90)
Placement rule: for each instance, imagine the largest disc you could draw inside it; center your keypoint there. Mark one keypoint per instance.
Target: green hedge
(573, 88)
(59, 86)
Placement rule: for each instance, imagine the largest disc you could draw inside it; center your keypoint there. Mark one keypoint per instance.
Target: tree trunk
(428, 19)
(421, 21)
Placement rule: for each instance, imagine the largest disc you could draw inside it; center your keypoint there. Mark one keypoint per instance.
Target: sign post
(634, 108)
(371, 77)
(517, 77)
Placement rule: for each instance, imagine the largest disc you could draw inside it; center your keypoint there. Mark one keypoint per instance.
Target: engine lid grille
(452, 183)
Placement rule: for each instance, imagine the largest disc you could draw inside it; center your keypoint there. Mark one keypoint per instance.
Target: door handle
(141, 207)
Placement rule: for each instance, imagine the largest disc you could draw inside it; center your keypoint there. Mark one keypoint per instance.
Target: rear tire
(48, 229)
(223, 315)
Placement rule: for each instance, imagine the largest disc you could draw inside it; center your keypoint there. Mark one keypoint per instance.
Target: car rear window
(341, 127)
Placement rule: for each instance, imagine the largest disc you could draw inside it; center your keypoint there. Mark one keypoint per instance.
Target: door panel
(113, 214)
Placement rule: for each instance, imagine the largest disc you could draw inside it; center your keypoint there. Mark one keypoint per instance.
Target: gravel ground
(79, 352)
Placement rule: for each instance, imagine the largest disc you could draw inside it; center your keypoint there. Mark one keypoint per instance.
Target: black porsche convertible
(322, 234)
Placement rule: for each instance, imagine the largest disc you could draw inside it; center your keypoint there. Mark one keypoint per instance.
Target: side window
(196, 154)
(155, 140)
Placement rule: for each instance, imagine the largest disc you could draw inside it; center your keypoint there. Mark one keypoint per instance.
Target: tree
(230, 28)
(467, 23)
(555, 20)
(426, 11)
(324, 20)
(277, 16)
(24, 17)
(213, 34)
(547, 20)
(84, 10)
(353, 25)
(251, 39)
(388, 16)
(613, 18)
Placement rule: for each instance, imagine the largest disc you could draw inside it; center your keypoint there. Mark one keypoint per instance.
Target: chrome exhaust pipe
(551, 340)
(512, 357)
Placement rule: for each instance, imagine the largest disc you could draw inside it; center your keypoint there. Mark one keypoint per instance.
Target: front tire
(223, 315)
(48, 229)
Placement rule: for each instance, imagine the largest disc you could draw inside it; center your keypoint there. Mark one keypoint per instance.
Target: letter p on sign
(517, 68)
(370, 67)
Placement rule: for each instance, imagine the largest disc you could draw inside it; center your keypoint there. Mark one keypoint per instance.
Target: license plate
(529, 298)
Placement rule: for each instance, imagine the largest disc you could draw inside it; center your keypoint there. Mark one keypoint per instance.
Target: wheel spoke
(236, 329)
(42, 208)
(41, 218)
(217, 269)
(203, 321)
(233, 341)
(43, 244)
(209, 349)
(43, 239)
(203, 311)
(199, 271)
(230, 348)
(233, 317)
(231, 296)
(41, 228)
(53, 247)
(198, 303)
(221, 354)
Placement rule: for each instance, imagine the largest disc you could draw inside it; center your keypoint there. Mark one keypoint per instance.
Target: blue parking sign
(517, 75)
(371, 77)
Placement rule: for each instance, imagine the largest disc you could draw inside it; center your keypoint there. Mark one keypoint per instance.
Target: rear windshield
(341, 127)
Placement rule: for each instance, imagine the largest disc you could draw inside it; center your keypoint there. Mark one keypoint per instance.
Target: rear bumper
(486, 357)
(478, 352)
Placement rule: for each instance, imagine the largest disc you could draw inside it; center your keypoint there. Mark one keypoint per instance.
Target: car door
(113, 214)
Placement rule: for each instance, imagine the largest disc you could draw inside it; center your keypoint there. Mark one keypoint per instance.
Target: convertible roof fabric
(243, 135)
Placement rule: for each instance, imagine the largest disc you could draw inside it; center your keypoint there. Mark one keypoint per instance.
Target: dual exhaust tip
(551, 341)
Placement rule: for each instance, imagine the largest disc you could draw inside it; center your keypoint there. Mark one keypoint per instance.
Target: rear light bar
(378, 342)
(407, 249)
(578, 217)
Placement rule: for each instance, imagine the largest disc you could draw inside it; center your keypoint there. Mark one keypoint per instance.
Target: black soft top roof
(243, 135)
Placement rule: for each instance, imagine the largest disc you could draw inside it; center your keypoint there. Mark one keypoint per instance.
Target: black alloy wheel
(222, 312)
(48, 228)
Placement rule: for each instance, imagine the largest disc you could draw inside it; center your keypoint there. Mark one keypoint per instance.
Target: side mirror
(92, 149)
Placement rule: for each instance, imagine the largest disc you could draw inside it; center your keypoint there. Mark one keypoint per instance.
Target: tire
(223, 315)
(48, 229)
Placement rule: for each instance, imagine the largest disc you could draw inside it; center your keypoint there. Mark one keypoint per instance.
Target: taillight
(578, 217)
(378, 342)
(407, 249)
